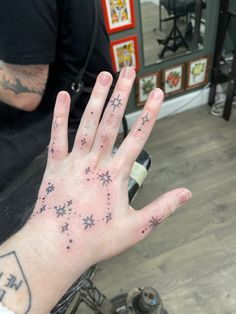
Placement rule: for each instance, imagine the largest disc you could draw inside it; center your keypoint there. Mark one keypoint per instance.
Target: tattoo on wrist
(13, 283)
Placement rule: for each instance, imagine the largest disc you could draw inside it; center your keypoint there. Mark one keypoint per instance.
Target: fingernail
(156, 94)
(104, 78)
(127, 72)
(184, 196)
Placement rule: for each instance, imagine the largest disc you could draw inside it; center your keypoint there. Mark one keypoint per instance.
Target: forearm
(22, 86)
(34, 269)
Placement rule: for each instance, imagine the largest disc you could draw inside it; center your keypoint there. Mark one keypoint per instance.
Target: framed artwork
(145, 84)
(198, 72)
(124, 52)
(119, 14)
(173, 80)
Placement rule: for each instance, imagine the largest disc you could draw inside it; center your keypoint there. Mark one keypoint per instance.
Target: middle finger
(110, 123)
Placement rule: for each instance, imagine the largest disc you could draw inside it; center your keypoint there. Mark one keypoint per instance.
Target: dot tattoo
(116, 102)
(88, 222)
(105, 178)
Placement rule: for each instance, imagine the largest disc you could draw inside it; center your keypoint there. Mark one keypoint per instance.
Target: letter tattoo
(13, 283)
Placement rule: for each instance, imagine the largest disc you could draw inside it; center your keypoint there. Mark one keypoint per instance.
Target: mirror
(171, 27)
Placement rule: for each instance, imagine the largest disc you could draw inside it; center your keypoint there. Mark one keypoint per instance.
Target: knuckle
(166, 208)
(111, 121)
(138, 135)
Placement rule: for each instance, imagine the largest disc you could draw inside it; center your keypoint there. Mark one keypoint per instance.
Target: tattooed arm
(22, 86)
(82, 215)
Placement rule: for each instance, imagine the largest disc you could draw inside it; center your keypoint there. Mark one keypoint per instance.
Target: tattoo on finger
(153, 223)
(145, 119)
(116, 102)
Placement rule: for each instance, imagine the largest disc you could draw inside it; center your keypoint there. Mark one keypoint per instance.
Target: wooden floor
(191, 259)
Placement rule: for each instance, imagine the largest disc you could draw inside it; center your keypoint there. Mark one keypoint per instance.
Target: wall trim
(176, 105)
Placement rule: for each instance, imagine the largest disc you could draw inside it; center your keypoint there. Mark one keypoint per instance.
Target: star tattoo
(69, 203)
(64, 227)
(55, 125)
(116, 102)
(105, 138)
(145, 119)
(60, 211)
(50, 188)
(105, 178)
(108, 217)
(83, 142)
(154, 222)
(87, 170)
(88, 222)
(42, 209)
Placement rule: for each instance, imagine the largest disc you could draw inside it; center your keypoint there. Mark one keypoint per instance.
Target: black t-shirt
(54, 32)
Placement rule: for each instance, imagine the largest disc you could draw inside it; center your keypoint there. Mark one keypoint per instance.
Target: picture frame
(145, 84)
(173, 79)
(118, 15)
(197, 72)
(124, 52)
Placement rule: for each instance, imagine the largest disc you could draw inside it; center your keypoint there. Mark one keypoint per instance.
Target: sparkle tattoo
(105, 138)
(108, 217)
(69, 203)
(88, 222)
(83, 141)
(154, 222)
(116, 102)
(64, 227)
(145, 119)
(42, 209)
(60, 211)
(87, 170)
(105, 178)
(50, 188)
(55, 125)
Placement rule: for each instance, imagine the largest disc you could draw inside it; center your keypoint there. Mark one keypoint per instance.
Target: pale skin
(82, 215)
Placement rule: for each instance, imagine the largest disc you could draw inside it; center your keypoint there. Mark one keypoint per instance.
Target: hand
(84, 193)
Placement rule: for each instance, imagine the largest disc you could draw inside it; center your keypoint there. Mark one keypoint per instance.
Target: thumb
(150, 217)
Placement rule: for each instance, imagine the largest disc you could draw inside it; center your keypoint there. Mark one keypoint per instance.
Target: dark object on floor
(139, 301)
